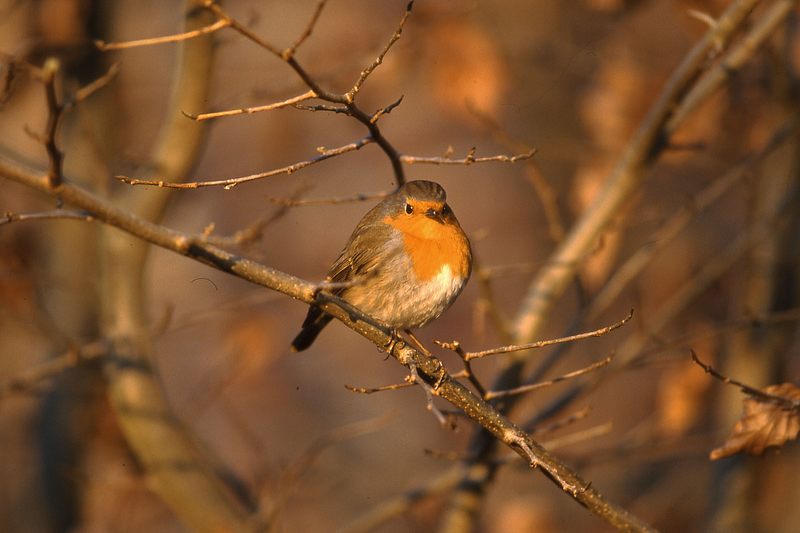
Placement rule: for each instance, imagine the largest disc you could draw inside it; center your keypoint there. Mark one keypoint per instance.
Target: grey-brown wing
(367, 248)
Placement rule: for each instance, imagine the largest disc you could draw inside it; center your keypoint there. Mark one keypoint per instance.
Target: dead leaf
(766, 422)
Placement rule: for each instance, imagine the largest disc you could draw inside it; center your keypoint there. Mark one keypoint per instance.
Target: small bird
(405, 263)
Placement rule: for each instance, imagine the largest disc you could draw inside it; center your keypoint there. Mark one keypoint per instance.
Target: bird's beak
(435, 214)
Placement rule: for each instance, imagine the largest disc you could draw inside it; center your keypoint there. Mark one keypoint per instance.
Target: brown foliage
(766, 422)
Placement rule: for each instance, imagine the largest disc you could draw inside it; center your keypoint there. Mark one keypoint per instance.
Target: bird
(405, 263)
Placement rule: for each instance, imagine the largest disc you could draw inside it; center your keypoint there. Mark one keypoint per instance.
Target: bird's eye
(409, 209)
(446, 210)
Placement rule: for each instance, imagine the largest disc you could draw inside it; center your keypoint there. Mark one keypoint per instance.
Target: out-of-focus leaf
(766, 422)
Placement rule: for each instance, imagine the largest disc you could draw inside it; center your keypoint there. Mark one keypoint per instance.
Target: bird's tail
(312, 325)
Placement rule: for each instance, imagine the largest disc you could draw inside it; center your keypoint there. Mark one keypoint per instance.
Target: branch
(256, 109)
(9, 217)
(289, 52)
(469, 356)
(712, 80)
(468, 160)
(786, 403)
(429, 368)
(29, 379)
(347, 99)
(636, 263)
(88, 90)
(350, 95)
(178, 37)
(546, 288)
(491, 395)
(626, 177)
(230, 183)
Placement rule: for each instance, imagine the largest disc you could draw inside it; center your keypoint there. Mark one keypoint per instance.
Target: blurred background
(570, 79)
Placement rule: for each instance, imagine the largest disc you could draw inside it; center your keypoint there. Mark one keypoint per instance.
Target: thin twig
(88, 90)
(289, 52)
(32, 377)
(175, 38)
(625, 179)
(308, 95)
(350, 95)
(490, 395)
(385, 110)
(563, 422)
(468, 160)
(274, 500)
(549, 342)
(9, 217)
(541, 186)
(762, 29)
(324, 107)
(254, 231)
(373, 390)
(786, 403)
(235, 25)
(230, 183)
(579, 436)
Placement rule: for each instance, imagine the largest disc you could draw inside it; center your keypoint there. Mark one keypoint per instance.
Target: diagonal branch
(427, 367)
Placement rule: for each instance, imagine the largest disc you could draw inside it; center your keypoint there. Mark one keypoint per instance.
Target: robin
(404, 264)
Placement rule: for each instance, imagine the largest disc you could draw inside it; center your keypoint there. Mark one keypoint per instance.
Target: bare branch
(347, 99)
(256, 109)
(625, 179)
(491, 395)
(549, 342)
(350, 95)
(324, 107)
(712, 80)
(230, 183)
(88, 90)
(468, 160)
(373, 390)
(541, 186)
(175, 38)
(563, 422)
(634, 265)
(31, 378)
(254, 231)
(429, 368)
(385, 110)
(237, 26)
(786, 403)
(8, 217)
(289, 52)
(579, 436)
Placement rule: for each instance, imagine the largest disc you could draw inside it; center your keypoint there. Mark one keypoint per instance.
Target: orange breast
(431, 245)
